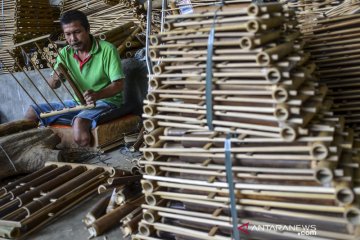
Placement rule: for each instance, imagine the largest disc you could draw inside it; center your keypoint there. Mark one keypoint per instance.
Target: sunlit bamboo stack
(23, 20)
(293, 161)
(334, 46)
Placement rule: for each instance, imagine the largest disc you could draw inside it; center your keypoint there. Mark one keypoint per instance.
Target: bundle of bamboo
(309, 12)
(23, 20)
(333, 44)
(293, 161)
(121, 205)
(126, 38)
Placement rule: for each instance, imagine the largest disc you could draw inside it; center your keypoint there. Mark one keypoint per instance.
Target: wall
(14, 101)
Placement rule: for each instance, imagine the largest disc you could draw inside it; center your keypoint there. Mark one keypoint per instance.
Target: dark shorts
(94, 115)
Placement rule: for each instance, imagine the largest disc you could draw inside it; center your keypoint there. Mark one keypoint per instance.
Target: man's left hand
(90, 96)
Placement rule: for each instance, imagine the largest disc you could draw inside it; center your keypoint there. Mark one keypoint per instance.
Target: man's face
(76, 35)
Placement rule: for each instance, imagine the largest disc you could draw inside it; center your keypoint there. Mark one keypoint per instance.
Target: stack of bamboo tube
(33, 201)
(334, 46)
(23, 20)
(45, 57)
(293, 161)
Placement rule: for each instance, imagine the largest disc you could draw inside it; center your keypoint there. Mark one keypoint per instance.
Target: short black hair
(75, 15)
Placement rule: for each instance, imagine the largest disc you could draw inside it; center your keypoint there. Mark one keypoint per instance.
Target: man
(96, 68)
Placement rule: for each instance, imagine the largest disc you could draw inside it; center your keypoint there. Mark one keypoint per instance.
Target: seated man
(97, 71)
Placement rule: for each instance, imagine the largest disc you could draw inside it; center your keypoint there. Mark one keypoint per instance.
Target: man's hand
(90, 96)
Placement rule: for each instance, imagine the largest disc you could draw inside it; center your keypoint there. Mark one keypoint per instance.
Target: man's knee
(81, 129)
(82, 140)
(31, 115)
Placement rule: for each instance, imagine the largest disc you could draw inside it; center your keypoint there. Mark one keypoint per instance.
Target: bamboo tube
(77, 92)
(274, 54)
(148, 186)
(130, 227)
(98, 210)
(104, 223)
(122, 47)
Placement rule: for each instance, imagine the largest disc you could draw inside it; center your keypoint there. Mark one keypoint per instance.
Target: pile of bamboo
(334, 46)
(23, 20)
(126, 38)
(121, 204)
(29, 203)
(293, 162)
(46, 57)
(88, 7)
(309, 12)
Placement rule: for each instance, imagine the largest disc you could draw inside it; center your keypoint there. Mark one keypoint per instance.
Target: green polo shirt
(102, 68)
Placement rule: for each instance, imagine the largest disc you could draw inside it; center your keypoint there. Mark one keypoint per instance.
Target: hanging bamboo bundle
(293, 161)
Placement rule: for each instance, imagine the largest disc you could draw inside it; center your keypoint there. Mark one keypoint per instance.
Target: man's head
(76, 29)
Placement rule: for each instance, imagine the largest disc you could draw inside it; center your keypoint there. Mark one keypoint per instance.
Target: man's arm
(114, 88)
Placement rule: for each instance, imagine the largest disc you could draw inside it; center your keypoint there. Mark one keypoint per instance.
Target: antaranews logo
(303, 230)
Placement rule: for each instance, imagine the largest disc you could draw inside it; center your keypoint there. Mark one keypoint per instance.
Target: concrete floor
(70, 226)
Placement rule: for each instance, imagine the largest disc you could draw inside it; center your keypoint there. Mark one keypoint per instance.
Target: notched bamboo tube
(145, 229)
(352, 215)
(319, 151)
(260, 25)
(274, 54)
(150, 216)
(258, 10)
(152, 97)
(280, 95)
(288, 133)
(253, 42)
(152, 170)
(281, 112)
(153, 137)
(152, 200)
(344, 194)
(324, 175)
(150, 125)
(148, 186)
(150, 110)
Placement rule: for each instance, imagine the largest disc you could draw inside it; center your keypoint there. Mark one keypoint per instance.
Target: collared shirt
(100, 69)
